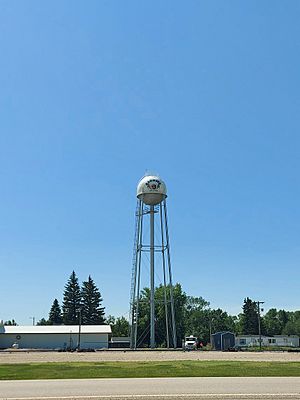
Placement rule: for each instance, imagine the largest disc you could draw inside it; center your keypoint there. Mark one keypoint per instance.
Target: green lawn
(147, 369)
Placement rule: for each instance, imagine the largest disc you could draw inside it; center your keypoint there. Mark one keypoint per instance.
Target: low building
(119, 342)
(63, 337)
(223, 340)
(268, 341)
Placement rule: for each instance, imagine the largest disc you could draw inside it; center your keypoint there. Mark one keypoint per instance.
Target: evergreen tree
(71, 301)
(91, 311)
(249, 318)
(43, 322)
(10, 323)
(55, 317)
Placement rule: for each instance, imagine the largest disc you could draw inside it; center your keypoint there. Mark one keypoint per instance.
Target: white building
(55, 337)
(276, 340)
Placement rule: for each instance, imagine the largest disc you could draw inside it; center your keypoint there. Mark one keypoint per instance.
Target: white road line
(170, 396)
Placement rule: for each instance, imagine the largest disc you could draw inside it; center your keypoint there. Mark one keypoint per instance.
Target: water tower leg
(138, 277)
(170, 277)
(152, 309)
(164, 275)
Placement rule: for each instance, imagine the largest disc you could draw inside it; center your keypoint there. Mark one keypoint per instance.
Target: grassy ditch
(77, 370)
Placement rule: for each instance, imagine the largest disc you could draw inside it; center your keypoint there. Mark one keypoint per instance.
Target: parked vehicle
(190, 343)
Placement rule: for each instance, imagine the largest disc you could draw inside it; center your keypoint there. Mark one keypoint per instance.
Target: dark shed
(223, 340)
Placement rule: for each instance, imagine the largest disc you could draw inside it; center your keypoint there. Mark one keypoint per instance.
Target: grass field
(77, 370)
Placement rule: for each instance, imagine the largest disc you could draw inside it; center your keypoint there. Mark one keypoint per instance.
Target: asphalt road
(154, 388)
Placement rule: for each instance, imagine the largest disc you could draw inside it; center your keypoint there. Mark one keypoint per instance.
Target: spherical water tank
(151, 190)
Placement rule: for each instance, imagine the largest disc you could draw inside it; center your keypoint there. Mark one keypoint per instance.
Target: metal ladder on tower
(132, 311)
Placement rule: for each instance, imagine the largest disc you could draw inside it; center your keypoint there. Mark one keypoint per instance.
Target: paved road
(154, 388)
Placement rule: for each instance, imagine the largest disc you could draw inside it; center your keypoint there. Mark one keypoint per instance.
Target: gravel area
(21, 356)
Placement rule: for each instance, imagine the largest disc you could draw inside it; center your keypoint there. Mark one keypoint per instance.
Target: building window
(272, 341)
(242, 341)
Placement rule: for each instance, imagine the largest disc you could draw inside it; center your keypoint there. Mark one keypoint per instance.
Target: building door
(226, 342)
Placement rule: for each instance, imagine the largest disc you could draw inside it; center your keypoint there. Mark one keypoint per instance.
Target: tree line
(193, 315)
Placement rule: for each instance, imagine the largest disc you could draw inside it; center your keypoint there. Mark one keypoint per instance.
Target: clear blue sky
(94, 93)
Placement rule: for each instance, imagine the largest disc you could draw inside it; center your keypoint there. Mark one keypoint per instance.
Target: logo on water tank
(153, 184)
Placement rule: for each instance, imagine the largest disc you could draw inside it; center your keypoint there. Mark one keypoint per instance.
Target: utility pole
(79, 329)
(259, 325)
(33, 320)
(210, 329)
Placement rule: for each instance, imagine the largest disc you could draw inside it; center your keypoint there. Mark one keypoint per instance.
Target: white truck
(190, 343)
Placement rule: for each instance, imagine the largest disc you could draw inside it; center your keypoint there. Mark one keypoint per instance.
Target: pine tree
(43, 322)
(71, 301)
(10, 323)
(55, 317)
(249, 320)
(91, 312)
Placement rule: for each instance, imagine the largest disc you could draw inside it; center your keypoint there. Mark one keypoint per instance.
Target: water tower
(151, 259)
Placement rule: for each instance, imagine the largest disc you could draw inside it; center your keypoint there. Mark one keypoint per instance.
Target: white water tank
(151, 190)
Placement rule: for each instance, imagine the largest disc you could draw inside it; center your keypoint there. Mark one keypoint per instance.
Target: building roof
(264, 336)
(55, 329)
(222, 333)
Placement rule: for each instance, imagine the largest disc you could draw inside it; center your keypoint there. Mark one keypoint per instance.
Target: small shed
(223, 340)
(60, 337)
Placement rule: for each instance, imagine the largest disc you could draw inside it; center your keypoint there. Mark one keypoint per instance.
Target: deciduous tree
(271, 323)
(120, 326)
